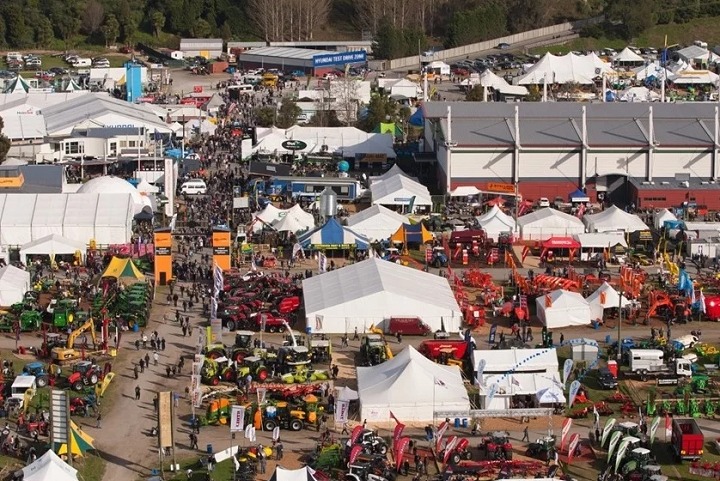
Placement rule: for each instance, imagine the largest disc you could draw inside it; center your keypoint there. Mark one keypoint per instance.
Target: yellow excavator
(377, 330)
(69, 353)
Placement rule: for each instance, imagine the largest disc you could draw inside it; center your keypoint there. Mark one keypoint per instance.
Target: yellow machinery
(69, 353)
(377, 330)
(269, 80)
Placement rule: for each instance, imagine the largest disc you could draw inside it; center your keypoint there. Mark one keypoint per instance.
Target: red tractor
(459, 451)
(85, 374)
(496, 446)
(270, 321)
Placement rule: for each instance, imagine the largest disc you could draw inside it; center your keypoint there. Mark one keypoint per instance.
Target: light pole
(620, 316)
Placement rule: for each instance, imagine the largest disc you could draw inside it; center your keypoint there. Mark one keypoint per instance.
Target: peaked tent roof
(612, 297)
(52, 244)
(301, 214)
(18, 84)
(627, 56)
(545, 223)
(49, 467)
(660, 216)
(392, 171)
(120, 268)
(570, 68)
(385, 387)
(416, 233)
(332, 233)
(566, 309)
(14, 283)
(292, 223)
(72, 86)
(614, 219)
(303, 474)
(377, 222)
(398, 190)
(464, 191)
(495, 221)
(490, 79)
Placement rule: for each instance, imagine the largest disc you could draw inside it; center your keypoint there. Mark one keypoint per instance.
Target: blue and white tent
(333, 235)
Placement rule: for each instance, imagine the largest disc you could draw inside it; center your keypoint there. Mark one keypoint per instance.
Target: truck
(408, 326)
(647, 363)
(446, 351)
(687, 441)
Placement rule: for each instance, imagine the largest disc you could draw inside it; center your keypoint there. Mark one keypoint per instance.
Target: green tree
(44, 32)
(110, 30)
(288, 113)
(129, 28)
(380, 109)
(18, 35)
(481, 23)
(386, 44)
(265, 116)
(225, 31)
(475, 94)
(158, 22)
(4, 142)
(201, 29)
(631, 17)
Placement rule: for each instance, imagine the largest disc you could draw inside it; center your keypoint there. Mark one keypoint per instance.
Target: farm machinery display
(496, 446)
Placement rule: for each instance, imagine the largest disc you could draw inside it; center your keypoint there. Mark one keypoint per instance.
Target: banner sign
(574, 388)
(606, 430)
(613, 442)
(621, 453)
(341, 411)
(566, 425)
(339, 58)
(237, 419)
(567, 369)
(574, 442)
(653, 428)
(440, 433)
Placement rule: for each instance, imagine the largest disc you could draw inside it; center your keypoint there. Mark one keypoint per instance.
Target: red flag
(440, 433)
(603, 298)
(668, 425)
(394, 418)
(574, 441)
(525, 252)
(548, 300)
(397, 432)
(355, 452)
(566, 425)
(401, 447)
(357, 430)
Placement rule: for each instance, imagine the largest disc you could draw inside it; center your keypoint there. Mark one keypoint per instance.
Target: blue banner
(493, 331)
(339, 58)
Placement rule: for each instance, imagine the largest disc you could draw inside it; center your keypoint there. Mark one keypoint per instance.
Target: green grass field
(704, 29)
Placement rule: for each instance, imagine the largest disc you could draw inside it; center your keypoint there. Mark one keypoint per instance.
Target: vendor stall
(545, 223)
(613, 219)
(52, 245)
(562, 308)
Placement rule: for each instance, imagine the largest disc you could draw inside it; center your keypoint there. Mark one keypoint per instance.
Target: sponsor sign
(339, 58)
(294, 145)
(501, 187)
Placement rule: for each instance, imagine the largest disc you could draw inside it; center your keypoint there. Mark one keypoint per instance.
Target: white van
(244, 88)
(82, 62)
(14, 56)
(194, 186)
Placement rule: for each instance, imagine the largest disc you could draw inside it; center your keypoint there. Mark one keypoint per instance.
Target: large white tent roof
(654, 69)
(614, 219)
(49, 467)
(661, 215)
(545, 223)
(387, 387)
(495, 221)
(601, 240)
(694, 77)
(14, 283)
(292, 223)
(105, 217)
(500, 361)
(627, 56)
(398, 190)
(392, 171)
(570, 68)
(52, 244)
(109, 184)
(372, 291)
(303, 474)
(605, 297)
(567, 309)
(376, 222)
(638, 94)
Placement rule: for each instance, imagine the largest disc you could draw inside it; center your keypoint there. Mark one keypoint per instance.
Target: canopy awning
(561, 243)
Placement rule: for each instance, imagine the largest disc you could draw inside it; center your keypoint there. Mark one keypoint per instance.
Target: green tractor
(215, 370)
(255, 367)
(30, 321)
(635, 462)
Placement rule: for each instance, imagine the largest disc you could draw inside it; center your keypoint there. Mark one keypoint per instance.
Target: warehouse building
(310, 62)
(658, 155)
(210, 48)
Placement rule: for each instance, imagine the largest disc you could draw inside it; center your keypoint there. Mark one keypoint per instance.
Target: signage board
(163, 251)
(333, 246)
(221, 251)
(402, 199)
(294, 145)
(501, 187)
(59, 417)
(339, 58)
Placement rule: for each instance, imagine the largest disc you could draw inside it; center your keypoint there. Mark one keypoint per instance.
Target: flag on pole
(702, 301)
(322, 262)
(525, 252)
(213, 307)
(218, 279)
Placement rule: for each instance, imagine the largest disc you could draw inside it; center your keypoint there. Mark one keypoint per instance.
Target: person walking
(355, 336)
(526, 435)
(193, 441)
(142, 365)
(147, 359)
(156, 357)
(135, 371)
(97, 420)
(137, 393)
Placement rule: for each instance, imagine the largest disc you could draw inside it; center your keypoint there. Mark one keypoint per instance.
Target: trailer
(687, 441)
(308, 188)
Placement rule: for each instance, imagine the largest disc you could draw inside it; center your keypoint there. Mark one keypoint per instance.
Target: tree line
(399, 27)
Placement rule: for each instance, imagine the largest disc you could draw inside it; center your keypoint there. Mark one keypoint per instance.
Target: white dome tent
(109, 184)
(386, 387)
(49, 467)
(494, 222)
(561, 308)
(546, 223)
(614, 219)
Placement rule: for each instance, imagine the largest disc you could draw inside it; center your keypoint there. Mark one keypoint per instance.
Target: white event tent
(374, 290)
(628, 57)
(561, 308)
(464, 191)
(570, 68)
(400, 190)
(494, 222)
(376, 222)
(638, 94)
(545, 223)
(654, 69)
(605, 297)
(49, 467)
(305, 473)
(387, 388)
(613, 219)
(14, 283)
(660, 216)
(105, 218)
(53, 244)
(601, 240)
(691, 76)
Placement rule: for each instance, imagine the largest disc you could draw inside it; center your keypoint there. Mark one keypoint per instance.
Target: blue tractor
(439, 257)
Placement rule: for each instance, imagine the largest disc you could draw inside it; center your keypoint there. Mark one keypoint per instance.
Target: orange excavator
(658, 301)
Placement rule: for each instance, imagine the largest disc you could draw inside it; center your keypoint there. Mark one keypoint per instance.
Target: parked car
(503, 46)
(606, 379)
(543, 202)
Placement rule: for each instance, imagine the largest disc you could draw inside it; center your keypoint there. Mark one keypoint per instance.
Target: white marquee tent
(105, 218)
(495, 221)
(545, 223)
(49, 467)
(53, 244)
(570, 68)
(613, 219)
(690, 76)
(291, 223)
(376, 222)
(660, 216)
(14, 283)
(269, 215)
(601, 240)
(564, 308)
(303, 474)
(386, 387)
(605, 297)
(464, 191)
(374, 290)
(392, 171)
(652, 70)
(399, 190)
(638, 94)
(628, 57)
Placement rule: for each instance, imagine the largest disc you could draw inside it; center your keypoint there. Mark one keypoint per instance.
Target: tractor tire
(239, 357)
(508, 454)
(262, 374)
(455, 458)
(214, 354)
(215, 381)
(382, 449)
(269, 424)
(467, 456)
(271, 329)
(230, 325)
(78, 386)
(93, 379)
(41, 381)
(296, 425)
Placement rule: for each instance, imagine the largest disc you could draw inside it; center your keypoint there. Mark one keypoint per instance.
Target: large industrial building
(311, 62)
(656, 155)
